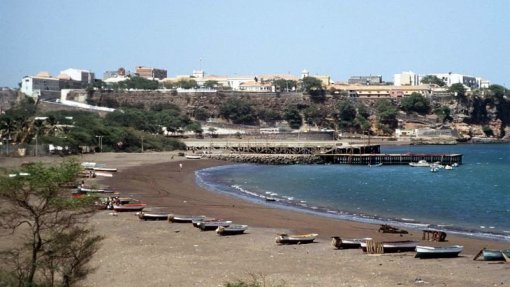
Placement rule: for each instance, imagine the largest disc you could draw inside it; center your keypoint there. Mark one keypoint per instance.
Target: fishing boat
(103, 174)
(94, 190)
(232, 229)
(296, 238)
(152, 216)
(340, 243)
(394, 246)
(495, 254)
(420, 163)
(193, 156)
(213, 224)
(196, 221)
(129, 207)
(438, 252)
(107, 169)
(184, 218)
(375, 165)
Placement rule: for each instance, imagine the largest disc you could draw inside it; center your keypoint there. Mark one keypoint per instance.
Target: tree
(293, 117)
(285, 85)
(56, 243)
(211, 84)
(458, 90)
(346, 114)
(313, 87)
(315, 114)
(431, 79)
(443, 113)
(187, 84)
(387, 115)
(238, 111)
(415, 102)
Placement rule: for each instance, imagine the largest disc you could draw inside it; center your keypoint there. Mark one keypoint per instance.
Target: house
(151, 73)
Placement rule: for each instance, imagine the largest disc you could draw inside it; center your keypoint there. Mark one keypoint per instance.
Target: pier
(390, 159)
(327, 152)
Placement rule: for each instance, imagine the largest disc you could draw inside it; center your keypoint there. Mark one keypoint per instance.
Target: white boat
(213, 224)
(232, 229)
(340, 243)
(184, 218)
(94, 190)
(103, 174)
(152, 216)
(107, 169)
(448, 167)
(129, 207)
(193, 156)
(394, 246)
(296, 238)
(438, 252)
(420, 163)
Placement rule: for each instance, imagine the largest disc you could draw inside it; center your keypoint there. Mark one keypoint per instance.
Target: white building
(84, 76)
(406, 79)
(43, 81)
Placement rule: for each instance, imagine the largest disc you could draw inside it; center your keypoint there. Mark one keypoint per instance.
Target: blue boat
(495, 255)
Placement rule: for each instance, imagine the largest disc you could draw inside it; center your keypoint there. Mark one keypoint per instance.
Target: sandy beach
(144, 253)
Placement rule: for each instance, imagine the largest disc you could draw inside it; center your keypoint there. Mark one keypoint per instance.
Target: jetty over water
(320, 152)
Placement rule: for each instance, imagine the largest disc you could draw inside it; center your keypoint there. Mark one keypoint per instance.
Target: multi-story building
(256, 86)
(382, 91)
(43, 81)
(151, 73)
(406, 79)
(365, 80)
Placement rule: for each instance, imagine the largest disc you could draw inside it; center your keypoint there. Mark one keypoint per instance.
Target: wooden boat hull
(153, 216)
(213, 225)
(183, 218)
(394, 246)
(129, 207)
(105, 169)
(193, 157)
(231, 229)
(340, 243)
(296, 239)
(438, 252)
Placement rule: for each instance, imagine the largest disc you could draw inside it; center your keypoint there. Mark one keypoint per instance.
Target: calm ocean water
(472, 199)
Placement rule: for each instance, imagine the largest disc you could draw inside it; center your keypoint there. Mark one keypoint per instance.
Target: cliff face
(472, 116)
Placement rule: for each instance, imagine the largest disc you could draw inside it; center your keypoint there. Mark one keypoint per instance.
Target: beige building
(151, 73)
(382, 91)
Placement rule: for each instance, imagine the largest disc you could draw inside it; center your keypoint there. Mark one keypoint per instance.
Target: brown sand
(138, 253)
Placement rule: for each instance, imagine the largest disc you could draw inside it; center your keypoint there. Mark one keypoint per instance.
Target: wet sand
(139, 253)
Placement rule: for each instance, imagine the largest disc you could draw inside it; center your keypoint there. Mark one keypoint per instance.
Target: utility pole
(100, 142)
(142, 144)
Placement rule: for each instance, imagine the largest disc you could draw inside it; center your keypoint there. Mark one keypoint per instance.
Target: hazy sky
(234, 37)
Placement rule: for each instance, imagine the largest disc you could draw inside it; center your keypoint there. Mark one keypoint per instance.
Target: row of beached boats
(222, 227)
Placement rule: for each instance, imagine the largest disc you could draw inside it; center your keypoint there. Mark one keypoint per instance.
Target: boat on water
(438, 252)
(232, 229)
(152, 216)
(375, 165)
(448, 167)
(354, 243)
(420, 163)
(394, 246)
(129, 207)
(495, 254)
(184, 218)
(193, 156)
(213, 224)
(296, 238)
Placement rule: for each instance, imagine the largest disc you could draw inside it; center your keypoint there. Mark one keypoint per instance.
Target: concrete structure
(365, 80)
(151, 73)
(43, 81)
(406, 79)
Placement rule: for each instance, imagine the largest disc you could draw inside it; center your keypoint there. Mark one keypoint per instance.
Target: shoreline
(191, 198)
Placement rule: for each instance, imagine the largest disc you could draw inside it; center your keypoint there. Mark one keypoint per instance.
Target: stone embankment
(273, 159)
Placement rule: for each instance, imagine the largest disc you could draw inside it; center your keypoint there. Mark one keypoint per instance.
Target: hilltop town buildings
(44, 86)
(151, 73)
(413, 79)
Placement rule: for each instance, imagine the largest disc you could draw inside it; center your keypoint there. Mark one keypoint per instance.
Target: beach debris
(385, 228)
(113, 214)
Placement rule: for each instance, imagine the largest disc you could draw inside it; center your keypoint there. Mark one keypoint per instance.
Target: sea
(472, 199)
